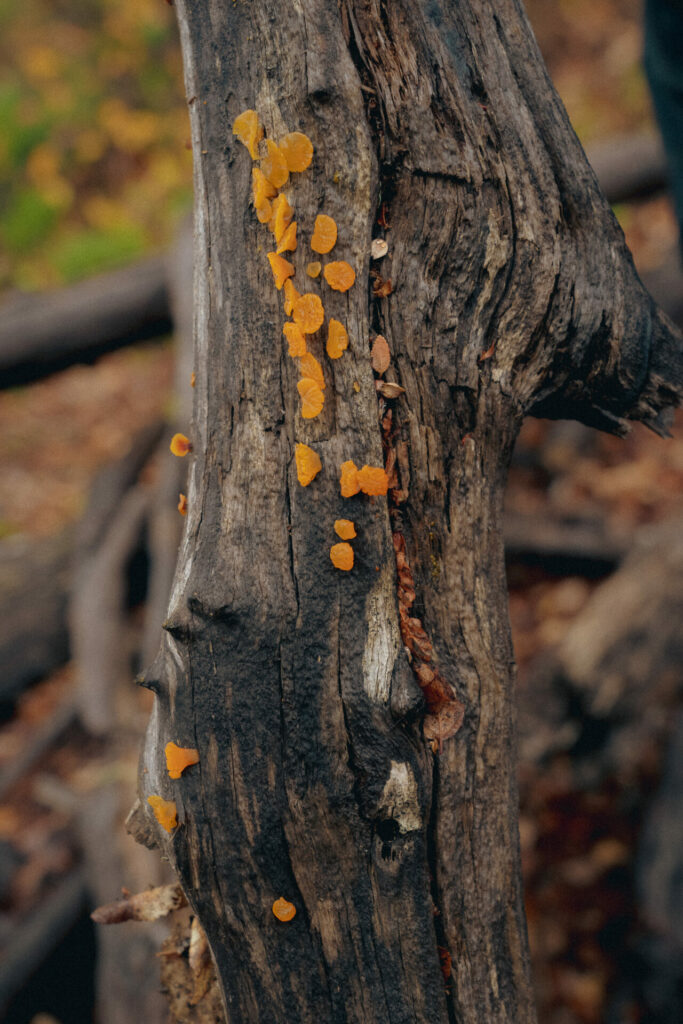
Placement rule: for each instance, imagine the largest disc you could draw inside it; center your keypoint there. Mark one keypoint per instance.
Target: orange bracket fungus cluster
(293, 154)
(177, 760)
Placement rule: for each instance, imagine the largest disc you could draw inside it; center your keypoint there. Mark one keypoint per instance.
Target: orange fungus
(297, 149)
(373, 480)
(179, 758)
(264, 212)
(274, 165)
(261, 188)
(182, 504)
(283, 909)
(165, 811)
(308, 464)
(282, 269)
(281, 216)
(349, 479)
(313, 269)
(337, 339)
(312, 398)
(342, 556)
(180, 445)
(308, 312)
(290, 295)
(249, 131)
(340, 276)
(324, 234)
(345, 529)
(297, 341)
(310, 367)
(288, 240)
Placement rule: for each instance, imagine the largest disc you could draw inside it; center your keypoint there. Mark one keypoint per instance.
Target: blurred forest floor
(94, 172)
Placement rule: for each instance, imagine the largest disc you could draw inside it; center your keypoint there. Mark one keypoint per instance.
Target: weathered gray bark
(315, 781)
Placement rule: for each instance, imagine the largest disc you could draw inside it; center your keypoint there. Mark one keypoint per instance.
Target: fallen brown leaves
(141, 906)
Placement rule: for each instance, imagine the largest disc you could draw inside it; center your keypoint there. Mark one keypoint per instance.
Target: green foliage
(93, 164)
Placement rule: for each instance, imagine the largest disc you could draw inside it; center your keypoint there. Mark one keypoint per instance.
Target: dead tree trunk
(512, 293)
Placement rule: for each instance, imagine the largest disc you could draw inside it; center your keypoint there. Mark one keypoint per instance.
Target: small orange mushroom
(340, 276)
(373, 480)
(282, 269)
(264, 212)
(342, 556)
(182, 504)
(308, 464)
(165, 811)
(337, 339)
(193, 379)
(180, 445)
(179, 758)
(249, 131)
(310, 367)
(296, 339)
(312, 398)
(297, 149)
(345, 528)
(324, 234)
(261, 188)
(313, 269)
(274, 165)
(281, 217)
(291, 294)
(349, 479)
(288, 240)
(283, 909)
(308, 312)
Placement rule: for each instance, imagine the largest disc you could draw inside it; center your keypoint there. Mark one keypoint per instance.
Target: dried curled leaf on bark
(380, 354)
(199, 959)
(142, 906)
(388, 389)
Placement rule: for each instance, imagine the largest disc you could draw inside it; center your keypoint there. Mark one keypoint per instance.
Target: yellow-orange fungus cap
(281, 216)
(313, 269)
(193, 379)
(342, 556)
(298, 151)
(337, 339)
(308, 312)
(310, 367)
(165, 811)
(312, 398)
(340, 276)
(182, 504)
(249, 131)
(308, 464)
(349, 479)
(264, 212)
(345, 529)
(274, 166)
(324, 234)
(180, 445)
(297, 342)
(179, 758)
(288, 240)
(373, 480)
(290, 295)
(261, 187)
(282, 269)
(284, 910)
